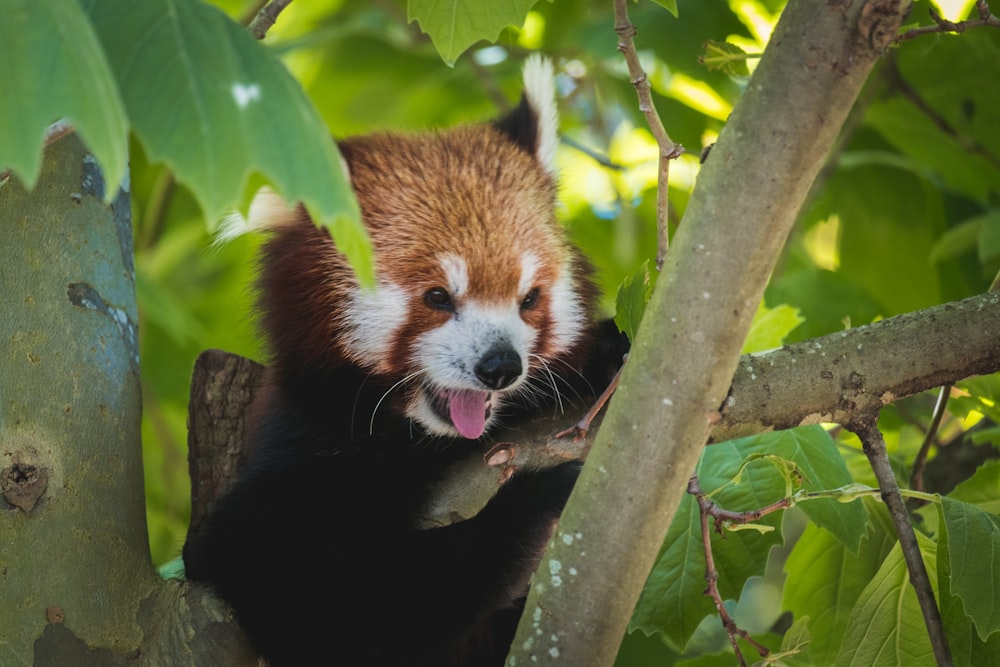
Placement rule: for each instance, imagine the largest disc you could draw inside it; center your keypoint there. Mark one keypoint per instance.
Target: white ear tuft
(539, 91)
(267, 211)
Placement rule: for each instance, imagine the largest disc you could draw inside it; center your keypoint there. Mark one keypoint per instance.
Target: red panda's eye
(439, 299)
(530, 299)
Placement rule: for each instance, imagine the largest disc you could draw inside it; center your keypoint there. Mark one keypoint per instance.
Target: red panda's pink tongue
(467, 409)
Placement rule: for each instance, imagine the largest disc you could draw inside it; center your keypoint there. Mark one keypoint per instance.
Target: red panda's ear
(534, 124)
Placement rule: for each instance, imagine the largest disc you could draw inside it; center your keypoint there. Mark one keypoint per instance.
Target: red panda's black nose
(499, 367)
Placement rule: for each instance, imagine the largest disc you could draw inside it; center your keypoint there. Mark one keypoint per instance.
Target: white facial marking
(568, 316)
(371, 320)
(449, 354)
(457, 271)
(529, 267)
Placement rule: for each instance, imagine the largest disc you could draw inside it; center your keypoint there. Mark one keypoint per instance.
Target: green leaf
(952, 130)
(886, 627)
(958, 240)
(725, 57)
(630, 304)
(57, 69)
(825, 580)
(218, 107)
(989, 237)
(455, 26)
(884, 207)
(982, 489)
(823, 468)
(771, 326)
(669, 5)
(673, 601)
(795, 643)
(974, 554)
(966, 646)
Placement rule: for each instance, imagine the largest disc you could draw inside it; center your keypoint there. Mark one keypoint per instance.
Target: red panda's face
(478, 294)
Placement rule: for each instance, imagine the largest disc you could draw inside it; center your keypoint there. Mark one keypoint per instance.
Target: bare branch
(866, 428)
(266, 17)
(920, 462)
(708, 508)
(941, 24)
(669, 150)
(600, 159)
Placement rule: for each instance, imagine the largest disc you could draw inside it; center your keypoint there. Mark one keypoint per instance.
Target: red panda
(482, 312)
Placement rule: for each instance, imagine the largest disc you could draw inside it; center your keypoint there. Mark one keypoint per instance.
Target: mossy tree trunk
(74, 556)
(76, 581)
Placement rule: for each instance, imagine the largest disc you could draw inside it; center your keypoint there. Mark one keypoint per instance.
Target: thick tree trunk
(74, 555)
(747, 198)
(76, 581)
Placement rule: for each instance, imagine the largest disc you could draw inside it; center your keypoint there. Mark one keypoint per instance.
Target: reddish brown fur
(469, 192)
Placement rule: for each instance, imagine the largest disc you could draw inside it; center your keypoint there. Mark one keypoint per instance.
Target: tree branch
(920, 461)
(747, 199)
(866, 428)
(829, 379)
(941, 24)
(706, 509)
(669, 150)
(266, 17)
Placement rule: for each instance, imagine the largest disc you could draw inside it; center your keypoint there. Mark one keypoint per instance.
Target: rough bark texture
(74, 555)
(836, 377)
(223, 387)
(746, 201)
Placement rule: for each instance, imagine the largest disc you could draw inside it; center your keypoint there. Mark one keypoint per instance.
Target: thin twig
(266, 17)
(920, 462)
(599, 158)
(580, 428)
(708, 508)
(669, 150)
(866, 428)
(941, 24)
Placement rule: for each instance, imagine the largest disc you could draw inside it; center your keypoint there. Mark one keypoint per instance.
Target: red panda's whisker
(545, 366)
(371, 422)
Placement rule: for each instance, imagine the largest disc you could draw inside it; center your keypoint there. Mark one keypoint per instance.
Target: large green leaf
(456, 25)
(974, 553)
(218, 107)
(943, 120)
(967, 647)
(673, 600)
(886, 628)
(884, 207)
(825, 580)
(982, 489)
(55, 69)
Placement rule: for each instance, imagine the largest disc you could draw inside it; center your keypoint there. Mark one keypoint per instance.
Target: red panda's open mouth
(465, 409)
